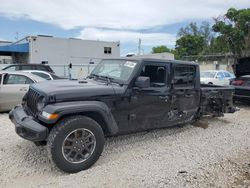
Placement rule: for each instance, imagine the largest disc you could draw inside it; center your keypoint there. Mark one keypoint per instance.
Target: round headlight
(41, 103)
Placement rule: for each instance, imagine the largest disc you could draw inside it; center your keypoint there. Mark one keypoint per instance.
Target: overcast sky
(156, 22)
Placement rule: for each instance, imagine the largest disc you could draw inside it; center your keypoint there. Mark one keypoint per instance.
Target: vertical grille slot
(32, 100)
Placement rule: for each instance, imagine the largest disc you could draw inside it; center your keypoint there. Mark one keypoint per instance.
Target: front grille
(32, 100)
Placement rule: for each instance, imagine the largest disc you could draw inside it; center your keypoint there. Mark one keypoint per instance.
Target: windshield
(120, 70)
(208, 74)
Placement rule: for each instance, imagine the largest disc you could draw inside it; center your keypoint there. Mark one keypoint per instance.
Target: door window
(18, 67)
(220, 75)
(157, 75)
(26, 67)
(11, 68)
(43, 68)
(227, 75)
(184, 76)
(42, 75)
(16, 79)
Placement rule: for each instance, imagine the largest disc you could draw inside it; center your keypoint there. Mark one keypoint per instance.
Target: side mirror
(142, 82)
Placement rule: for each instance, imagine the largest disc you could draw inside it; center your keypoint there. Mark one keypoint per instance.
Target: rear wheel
(75, 143)
(210, 83)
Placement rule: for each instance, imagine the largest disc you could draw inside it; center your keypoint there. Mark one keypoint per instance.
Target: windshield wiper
(93, 76)
(107, 78)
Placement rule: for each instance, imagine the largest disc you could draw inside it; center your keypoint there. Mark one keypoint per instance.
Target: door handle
(23, 89)
(188, 95)
(165, 98)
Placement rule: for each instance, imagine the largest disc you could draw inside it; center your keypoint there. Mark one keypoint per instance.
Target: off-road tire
(59, 133)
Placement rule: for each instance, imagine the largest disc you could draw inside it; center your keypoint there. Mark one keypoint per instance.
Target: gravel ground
(188, 156)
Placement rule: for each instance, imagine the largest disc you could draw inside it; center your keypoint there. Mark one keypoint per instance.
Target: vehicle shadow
(36, 158)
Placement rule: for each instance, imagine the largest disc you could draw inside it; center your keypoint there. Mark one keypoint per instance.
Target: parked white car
(13, 86)
(45, 75)
(216, 77)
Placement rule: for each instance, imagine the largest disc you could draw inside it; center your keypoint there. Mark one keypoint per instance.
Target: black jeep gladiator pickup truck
(120, 96)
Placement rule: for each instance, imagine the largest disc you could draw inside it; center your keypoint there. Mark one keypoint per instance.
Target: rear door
(13, 88)
(185, 93)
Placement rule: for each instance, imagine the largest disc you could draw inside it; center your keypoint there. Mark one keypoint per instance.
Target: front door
(13, 89)
(149, 107)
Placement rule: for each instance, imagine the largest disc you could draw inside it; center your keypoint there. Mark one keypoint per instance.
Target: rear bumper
(26, 127)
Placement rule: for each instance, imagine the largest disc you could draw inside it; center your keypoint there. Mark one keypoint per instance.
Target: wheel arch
(98, 111)
(95, 115)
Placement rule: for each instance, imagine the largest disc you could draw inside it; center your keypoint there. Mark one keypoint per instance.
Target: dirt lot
(218, 156)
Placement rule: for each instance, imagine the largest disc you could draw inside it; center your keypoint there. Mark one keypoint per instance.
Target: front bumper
(26, 127)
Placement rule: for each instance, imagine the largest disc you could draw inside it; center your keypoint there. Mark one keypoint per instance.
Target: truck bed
(216, 100)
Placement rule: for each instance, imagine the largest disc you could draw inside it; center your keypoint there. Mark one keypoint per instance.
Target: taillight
(238, 82)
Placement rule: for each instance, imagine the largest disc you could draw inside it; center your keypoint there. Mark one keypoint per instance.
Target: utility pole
(139, 47)
(16, 36)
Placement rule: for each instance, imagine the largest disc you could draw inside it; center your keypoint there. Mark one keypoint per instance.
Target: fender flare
(76, 107)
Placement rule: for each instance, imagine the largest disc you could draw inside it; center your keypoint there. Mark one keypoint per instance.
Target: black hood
(66, 90)
(242, 67)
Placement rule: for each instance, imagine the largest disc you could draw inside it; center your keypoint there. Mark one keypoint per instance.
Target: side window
(184, 76)
(29, 81)
(220, 75)
(43, 68)
(227, 75)
(10, 79)
(42, 75)
(18, 67)
(157, 75)
(26, 67)
(11, 68)
(40, 68)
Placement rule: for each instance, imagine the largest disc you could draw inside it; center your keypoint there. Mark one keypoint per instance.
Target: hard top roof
(154, 60)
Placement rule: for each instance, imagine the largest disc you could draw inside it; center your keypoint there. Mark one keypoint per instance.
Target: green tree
(160, 49)
(193, 39)
(234, 27)
(218, 45)
(189, 45)
(190, 29)
(193, 29)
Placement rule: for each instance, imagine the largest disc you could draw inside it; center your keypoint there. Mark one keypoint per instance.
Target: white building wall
(65, 51)
(165, 55)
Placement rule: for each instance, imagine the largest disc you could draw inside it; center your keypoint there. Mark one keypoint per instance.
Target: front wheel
(75, 143)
